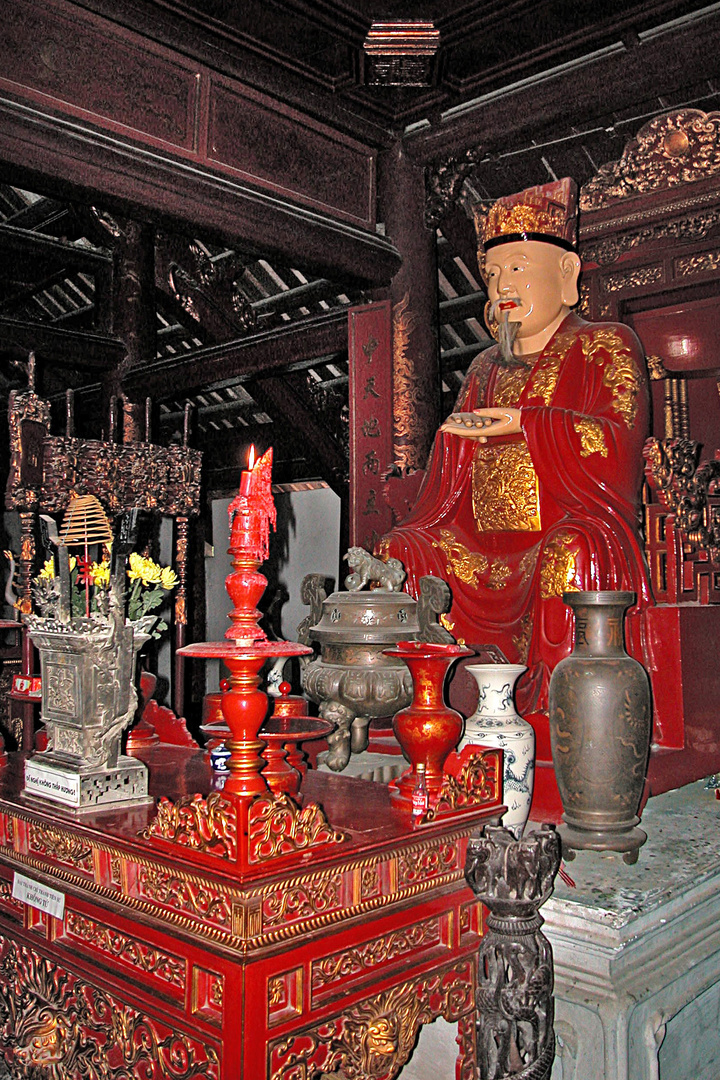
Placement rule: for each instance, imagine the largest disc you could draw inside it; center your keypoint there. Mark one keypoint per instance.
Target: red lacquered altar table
(170, 962)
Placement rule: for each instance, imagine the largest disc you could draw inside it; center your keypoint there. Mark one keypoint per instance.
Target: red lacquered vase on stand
(428, 729)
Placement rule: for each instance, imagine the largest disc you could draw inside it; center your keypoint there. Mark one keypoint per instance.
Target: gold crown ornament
(547, 212)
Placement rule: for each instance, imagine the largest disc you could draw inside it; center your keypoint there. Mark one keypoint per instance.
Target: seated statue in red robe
(533, 484)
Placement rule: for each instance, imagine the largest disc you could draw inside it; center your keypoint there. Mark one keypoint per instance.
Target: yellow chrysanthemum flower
(100, 574)
(168, 578)
(48, 571)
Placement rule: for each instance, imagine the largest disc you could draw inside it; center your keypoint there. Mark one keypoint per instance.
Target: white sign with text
(38, 896)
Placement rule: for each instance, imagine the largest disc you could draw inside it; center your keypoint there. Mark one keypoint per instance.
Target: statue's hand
(499, 422)
(468, 424)
(483, 424)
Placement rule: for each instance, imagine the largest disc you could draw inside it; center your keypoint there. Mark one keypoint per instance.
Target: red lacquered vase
(427, 730)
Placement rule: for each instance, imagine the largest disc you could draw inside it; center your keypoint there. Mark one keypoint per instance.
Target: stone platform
(637, 956)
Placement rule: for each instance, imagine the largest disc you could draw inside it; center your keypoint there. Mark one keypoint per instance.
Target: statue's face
(532, 281)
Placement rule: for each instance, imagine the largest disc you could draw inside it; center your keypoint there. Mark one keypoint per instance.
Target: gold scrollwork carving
(633, 279)
(381, 950)
(592, 436)
(510, 384)
(620, 374)
(207, 825)
(426, 862)
(505, 493)
(64, 847)
(277, 826)
(476, 784)
(202, 899)
(557, 571)
(375, 1037)
(301, 899)
(60, 1026)
(676, 148)
(705, 262)
(547, 370)
(106, 939)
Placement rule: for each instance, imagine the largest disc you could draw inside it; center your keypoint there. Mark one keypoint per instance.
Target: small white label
(53, 784)
(38, 896)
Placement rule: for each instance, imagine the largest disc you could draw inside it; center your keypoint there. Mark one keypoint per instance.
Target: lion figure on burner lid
(388, 576)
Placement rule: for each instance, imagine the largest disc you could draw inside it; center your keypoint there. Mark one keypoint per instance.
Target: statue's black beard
(507, 332)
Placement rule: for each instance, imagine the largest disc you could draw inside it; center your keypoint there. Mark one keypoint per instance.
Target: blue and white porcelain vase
(496, 722)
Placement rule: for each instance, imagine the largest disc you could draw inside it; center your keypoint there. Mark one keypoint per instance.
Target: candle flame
(251, 457)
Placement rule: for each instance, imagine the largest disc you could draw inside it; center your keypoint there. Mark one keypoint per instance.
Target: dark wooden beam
(88, 164)
(72, 349)
(18, 243)
(245, 357)
(598, 87)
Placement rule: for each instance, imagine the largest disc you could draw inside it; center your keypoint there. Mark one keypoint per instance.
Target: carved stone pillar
(514, 1007)
(413, 292)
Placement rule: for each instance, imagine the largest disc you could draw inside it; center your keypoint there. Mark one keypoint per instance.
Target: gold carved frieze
(592, 436)
(557, 570)
(60, 846)
(302, 898)
(676, 148)
(136, 954)
(60, 1026)
(705, 262)
(121, 475)
(521, 640)
(193, 822)
(690, 226)
(505, 491)
(373, 1039)
(427, 862)
(203, 900)
(278, 826)
(407, 390)
(379, 952)
(476, 784)
(636, 278)
(620, 372)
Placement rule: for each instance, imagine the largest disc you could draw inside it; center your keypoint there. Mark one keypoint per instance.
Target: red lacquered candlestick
(246, 648)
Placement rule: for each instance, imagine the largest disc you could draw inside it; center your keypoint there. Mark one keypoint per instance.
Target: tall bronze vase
(600, 725)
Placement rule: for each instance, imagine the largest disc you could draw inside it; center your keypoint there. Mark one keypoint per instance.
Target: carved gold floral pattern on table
(380, 950)
(424, 863)
(108, 940)
(505, 493)
(277, 826)
(620, 373)
(373, 1039)
(467, 565)
(181, 893)
(302, 898)
(207, 825)
(62, 847)
(60, 1026)
(557, 573)
(592, 436)
(476, 784)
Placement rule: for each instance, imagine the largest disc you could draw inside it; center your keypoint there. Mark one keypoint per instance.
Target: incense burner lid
(365, 617)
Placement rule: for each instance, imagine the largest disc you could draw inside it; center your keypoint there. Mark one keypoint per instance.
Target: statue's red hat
(547, 212)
